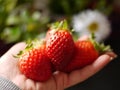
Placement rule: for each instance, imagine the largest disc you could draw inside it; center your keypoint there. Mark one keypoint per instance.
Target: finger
(16, 48)
(83, 74)
(112, 54)
(47, 85)
(61, 80)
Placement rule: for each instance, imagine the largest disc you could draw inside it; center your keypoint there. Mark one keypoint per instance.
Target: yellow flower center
(93, 27)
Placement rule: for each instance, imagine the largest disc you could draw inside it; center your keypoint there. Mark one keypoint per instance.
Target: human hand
(58, 81)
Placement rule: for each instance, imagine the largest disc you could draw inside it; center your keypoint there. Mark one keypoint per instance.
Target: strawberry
(87, 51)
(34, 63)
(59, 45)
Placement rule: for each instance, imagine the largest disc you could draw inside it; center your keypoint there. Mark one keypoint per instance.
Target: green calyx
(100, 47)
(30, 45)
(36, 43)
(62, 25)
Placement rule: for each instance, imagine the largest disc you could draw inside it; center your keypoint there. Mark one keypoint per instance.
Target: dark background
(109, 77)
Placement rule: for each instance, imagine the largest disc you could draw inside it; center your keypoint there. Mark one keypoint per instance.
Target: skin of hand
(58, 81)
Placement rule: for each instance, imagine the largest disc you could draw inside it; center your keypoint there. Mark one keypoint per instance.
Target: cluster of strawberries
(58, 51)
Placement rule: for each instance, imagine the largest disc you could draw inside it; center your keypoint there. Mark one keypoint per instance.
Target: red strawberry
(87, 51)
(59, 45)
(34, 63)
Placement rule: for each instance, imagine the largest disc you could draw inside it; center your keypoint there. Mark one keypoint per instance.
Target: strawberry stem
(36, 43)
(63, 25)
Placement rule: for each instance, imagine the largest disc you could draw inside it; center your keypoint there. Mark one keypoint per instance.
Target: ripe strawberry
(59, 45)
(34, 63)
(87, 51)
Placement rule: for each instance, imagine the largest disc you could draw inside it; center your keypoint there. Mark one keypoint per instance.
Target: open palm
(58, 81)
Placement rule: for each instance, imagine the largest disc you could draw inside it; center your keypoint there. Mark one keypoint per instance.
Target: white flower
(92, 21)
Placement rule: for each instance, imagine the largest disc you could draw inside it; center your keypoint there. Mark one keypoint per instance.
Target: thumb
(13, 50)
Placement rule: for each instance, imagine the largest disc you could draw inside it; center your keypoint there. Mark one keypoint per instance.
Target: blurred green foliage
(70, 7)
(19, 21)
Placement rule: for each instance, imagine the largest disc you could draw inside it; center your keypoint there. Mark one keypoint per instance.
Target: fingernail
(113, 57)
